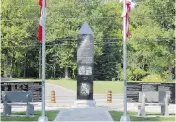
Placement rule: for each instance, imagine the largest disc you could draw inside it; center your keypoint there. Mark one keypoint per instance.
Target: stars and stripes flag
(40, 21)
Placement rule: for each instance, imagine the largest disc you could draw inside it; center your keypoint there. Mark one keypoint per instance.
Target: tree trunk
(170, 71)
(54, 72)
(73, 73)
(66, 72)
(170, 64)
(136, 77)
(175, 73)
(5, 67)
(13, 64)
(11, 70)
(24, 73)
(16, 70)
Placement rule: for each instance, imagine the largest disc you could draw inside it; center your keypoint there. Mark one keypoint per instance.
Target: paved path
(84, 114)
(61, 93)
(67, 97)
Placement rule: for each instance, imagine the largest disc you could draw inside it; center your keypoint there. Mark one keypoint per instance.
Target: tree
(151, 41)
(17, 27)
(105, 66)
(63, 29)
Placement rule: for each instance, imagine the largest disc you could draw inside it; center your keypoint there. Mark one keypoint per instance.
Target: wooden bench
(154, 98)
(18, 98)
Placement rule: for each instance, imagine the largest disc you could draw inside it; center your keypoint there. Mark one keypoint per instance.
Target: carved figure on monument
(85, 70)
(89, 70)
(85, 89)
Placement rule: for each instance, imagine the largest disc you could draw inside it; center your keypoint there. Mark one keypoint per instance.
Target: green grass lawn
(115, 115)
(100, 87)
(50, 114)
(133, 116)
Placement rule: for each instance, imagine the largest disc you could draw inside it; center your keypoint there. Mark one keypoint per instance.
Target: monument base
(84, 103)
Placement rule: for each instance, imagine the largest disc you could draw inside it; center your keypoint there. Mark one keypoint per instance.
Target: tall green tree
(65, 20)
(17, 29)
(151, 43)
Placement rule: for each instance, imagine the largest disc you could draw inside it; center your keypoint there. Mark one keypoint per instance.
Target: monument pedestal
(84, 103)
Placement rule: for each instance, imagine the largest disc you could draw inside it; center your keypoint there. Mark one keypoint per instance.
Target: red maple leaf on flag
(126, 14)
(40, 22)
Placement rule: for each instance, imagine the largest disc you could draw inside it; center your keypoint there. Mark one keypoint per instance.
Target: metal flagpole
(43, 118)
(40, 51)
(125, 117)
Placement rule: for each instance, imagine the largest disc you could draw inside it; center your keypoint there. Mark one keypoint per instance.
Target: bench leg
(164, 110)
(7, 109)
(30, 110)
(141, 110)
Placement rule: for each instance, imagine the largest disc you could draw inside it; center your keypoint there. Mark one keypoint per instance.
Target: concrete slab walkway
(84, 114)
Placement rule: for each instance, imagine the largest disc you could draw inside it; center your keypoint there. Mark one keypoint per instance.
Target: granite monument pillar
(85, 59)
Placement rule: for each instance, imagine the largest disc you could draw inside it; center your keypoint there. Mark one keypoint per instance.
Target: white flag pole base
(43, 119)
(125, 119)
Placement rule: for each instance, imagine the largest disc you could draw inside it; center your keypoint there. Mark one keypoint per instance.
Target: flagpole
(43, 118)
(125, 117)
(40, 56)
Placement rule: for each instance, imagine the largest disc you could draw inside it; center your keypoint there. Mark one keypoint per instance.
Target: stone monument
(85, 59)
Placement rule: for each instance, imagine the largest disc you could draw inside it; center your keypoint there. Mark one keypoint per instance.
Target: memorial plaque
(34, 87)
(150, 86)
(133, 89)
(85, 57)
(168, 87)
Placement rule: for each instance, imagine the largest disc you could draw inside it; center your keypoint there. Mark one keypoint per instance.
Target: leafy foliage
(150, 45)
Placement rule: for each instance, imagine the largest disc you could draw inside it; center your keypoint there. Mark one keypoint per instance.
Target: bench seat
(17, 98)
(153, 98)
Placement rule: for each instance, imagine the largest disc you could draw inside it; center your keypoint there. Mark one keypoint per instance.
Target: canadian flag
(40, 4)
(40, 30)
(40, 21)
(128, 7)
(126, 14)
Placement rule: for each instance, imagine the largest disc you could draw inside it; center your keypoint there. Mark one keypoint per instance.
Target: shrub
(152, 78)
(113, 79)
